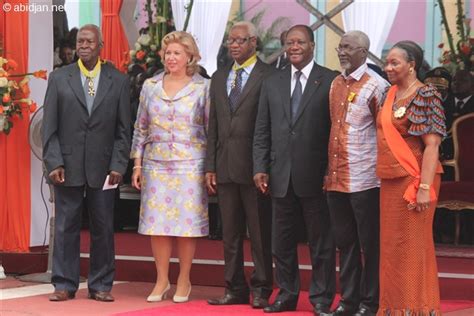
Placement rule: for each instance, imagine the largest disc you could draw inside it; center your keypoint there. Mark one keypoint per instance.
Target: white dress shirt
(304, 76)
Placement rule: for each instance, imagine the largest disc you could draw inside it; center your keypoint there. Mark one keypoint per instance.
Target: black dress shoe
(322, 310)
(343, 311)
(259, 302)
(229, 299)
(280, 306)
(364, 311)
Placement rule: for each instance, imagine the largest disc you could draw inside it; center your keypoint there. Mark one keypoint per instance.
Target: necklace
(400, 112)
(406, 90)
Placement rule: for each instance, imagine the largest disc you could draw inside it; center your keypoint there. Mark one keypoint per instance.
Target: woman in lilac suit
(169, 147)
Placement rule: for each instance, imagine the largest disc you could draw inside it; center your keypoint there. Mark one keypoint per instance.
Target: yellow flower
(151, 203)
(188, 205)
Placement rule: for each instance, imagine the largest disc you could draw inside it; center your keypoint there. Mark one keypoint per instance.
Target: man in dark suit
(234, 95)
(290, 159)
(462, 87)
(458, 103)
(86, 138)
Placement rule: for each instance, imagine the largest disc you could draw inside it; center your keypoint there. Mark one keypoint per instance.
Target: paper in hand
(108, 186)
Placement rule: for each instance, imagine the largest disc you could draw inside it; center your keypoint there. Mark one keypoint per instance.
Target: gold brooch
(351, 96)
(400, 112)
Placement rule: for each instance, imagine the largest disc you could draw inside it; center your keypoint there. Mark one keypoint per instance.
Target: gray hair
(96, 30)
(249, 26)
(360, 37)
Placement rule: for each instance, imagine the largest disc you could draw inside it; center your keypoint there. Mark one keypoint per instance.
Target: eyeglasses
(346, 49)
(238, 40)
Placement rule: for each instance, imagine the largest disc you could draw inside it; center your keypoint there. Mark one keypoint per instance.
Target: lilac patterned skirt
(174, 199)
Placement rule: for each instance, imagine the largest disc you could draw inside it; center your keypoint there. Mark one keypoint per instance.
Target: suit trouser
(241, 205)
(69, 202)
(321, 245)
(356, 224)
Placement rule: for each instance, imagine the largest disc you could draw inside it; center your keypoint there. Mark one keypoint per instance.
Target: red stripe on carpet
(304, 308)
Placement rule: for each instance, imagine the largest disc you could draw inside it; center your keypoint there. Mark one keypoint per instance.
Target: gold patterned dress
(408, 270)
(170, 137)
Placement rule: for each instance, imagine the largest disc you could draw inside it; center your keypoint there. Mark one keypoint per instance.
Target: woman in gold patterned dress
(169, 147)
(410, 127)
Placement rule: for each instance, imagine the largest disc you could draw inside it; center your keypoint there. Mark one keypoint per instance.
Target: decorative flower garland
(14, 93)
(459, 56)
(160, 22)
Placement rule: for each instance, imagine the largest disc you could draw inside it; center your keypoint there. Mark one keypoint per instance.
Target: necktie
(89, 97)
(459, 105)
(236, 90)
(296, 96)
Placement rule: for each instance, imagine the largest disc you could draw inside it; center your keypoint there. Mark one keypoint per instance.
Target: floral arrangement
(461, 55)
(14, 93)
(147, 47)
(146, 52)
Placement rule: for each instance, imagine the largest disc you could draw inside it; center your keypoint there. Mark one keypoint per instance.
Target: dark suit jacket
(298, 150)
(230, 136)
(88, 147)
(451, 111)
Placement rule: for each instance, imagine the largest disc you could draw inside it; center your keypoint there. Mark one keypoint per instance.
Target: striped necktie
(234, 94)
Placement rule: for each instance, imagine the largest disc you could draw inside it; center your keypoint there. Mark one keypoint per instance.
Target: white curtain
(128, 21)
(207, 24)
(40, 56)
(374, 18)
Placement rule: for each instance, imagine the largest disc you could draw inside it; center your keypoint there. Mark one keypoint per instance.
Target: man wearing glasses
(351, 184)
(290, 158)
(234, 98)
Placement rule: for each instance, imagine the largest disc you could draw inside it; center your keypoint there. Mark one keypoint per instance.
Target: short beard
(346, 66)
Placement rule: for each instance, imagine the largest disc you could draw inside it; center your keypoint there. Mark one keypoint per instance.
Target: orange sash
(400, 149)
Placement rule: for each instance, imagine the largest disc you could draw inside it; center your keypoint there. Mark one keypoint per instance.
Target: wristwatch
(424, 186)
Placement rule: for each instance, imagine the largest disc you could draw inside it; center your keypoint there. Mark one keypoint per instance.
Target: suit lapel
(105, 82)
(255, 76)
(312, 85)
(76, 85)
(222, 82)
(285, 90)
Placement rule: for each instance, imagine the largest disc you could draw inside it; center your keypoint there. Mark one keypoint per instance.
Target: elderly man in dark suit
(290, 159)
(86, 138)
(234, 95)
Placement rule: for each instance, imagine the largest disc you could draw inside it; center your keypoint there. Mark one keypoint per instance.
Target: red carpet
(304, 308)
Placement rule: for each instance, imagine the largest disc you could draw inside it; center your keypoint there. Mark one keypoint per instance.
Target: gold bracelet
(424, 186)
(136, 167)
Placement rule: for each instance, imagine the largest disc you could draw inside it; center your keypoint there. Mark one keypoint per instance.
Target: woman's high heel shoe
(182, 299)
(159, 297)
